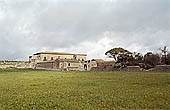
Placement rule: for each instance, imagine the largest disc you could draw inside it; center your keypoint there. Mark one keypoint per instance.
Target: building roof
(81, 54)
(102, 61)
(54, 53)
(59, 53)
(98, 60)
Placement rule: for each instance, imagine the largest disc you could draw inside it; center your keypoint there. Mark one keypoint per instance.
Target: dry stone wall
(14, 64)
(162, 68)
(132, 68)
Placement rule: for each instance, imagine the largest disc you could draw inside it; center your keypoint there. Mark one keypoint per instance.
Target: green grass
(48, 90)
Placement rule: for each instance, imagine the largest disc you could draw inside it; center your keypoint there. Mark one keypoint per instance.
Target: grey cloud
(29, 26)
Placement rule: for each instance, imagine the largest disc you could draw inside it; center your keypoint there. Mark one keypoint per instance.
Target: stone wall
(7, 66)
(14, 64)
(103, 68)
(131, 68)
(162, 68)
(59, 65)
(47, 65)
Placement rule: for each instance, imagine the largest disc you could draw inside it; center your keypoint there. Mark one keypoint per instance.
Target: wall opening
(85, 67)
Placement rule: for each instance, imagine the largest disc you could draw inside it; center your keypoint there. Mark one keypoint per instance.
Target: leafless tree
(164, 51)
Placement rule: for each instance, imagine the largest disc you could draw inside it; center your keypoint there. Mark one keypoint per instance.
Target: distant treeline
(149, 60)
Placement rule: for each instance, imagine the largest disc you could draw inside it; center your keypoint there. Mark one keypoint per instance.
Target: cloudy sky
(82, 26)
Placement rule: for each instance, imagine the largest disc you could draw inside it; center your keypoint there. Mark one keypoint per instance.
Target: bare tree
(164, 51)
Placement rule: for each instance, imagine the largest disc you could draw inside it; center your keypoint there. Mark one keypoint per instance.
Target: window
(33, 60)
(39, 58)
(45, 59)
(74, 57)
(69, 64)
(52, 58)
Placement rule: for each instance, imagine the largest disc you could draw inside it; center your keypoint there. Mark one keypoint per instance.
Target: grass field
(49, 90)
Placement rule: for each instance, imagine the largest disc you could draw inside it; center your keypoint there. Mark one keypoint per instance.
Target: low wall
(132, 68)
(162, 68)
(15, 64)
(7, 66)
(102, 68)
(112, 68)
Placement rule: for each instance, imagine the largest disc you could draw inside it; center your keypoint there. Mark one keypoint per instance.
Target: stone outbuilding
(60, 64)
(101, 65)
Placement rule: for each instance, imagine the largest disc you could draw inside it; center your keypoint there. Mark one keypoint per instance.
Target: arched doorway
(85, 67)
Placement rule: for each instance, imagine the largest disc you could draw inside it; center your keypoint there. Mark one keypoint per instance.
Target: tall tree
(120, 55)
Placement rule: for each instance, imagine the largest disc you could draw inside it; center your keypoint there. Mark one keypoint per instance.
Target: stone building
(67, 61)
(101, 65)
(58, 61)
